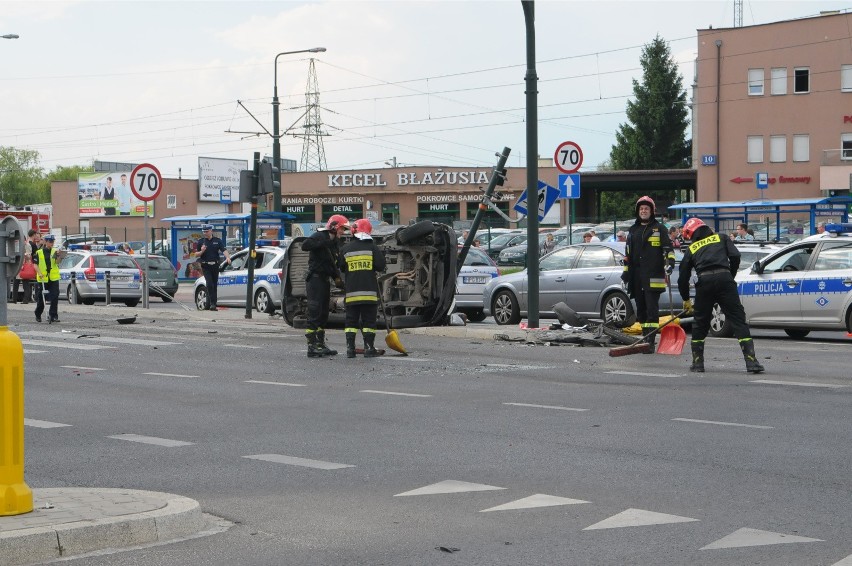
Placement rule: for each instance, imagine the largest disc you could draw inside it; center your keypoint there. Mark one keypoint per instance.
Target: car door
(594, 271)
(229, 289)
(553, 277)
(827, 284)
(774, 296)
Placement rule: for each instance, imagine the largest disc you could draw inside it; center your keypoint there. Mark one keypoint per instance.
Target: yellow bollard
(16, 497)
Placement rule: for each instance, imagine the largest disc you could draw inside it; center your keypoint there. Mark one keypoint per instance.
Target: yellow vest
(42, 276)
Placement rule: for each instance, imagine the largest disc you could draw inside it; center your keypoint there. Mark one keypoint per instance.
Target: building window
(778, 81)
(846, 146)
(755, 82)
(755, 149)
(846, 78)
(801, 147)
(801, 80)
(777, 149)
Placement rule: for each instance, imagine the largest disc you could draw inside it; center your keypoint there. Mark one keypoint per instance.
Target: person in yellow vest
(47, 276)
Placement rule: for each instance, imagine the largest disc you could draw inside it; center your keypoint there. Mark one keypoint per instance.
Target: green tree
(654, 137)
(21, 177)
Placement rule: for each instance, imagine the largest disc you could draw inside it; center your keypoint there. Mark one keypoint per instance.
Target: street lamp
(276, 137)
(10, 36)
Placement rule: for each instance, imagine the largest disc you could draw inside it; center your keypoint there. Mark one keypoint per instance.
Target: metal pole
(252, 237)
(532, 166)
(471, 235)
(145, 274)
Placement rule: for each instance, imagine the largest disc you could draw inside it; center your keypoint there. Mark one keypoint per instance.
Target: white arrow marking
(448, 486)
(638, 518)
(537, 500)
(43, 424)
(569, 184)
(755, 537)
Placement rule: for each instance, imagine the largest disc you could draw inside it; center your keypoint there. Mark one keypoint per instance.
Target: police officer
(322, 268)
(360, 261)
(648, 262)
(208, 248)
(716, 259)
(47, 277)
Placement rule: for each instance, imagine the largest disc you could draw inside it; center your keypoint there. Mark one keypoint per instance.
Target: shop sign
(413, 178)
(321, 200)
(474, 197)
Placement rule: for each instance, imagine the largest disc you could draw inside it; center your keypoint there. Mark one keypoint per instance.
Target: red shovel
(672, 336)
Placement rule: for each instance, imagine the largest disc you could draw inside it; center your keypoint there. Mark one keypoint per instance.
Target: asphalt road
(510, 453)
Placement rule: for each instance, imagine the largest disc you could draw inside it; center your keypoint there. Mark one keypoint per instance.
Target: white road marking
(638, 518)
(755, 537)
(245, 346)
(276, 383)
(490, 368)
(393, 393)
(169, 374)
(723, 423)
(110, 339)
(68, 346)
(43, 424)
(83, 368)
(448, 486)
(405, 359)
(151, 440)
(537, 500)
(294, 461)
(619, 372)
(844, 562)
(797, 383)
(34, 351)
(545, 407)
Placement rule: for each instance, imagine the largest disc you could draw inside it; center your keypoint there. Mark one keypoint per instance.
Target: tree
(20, 177)
(654, 137)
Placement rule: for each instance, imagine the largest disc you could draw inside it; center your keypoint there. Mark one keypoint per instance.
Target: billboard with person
(108, 194)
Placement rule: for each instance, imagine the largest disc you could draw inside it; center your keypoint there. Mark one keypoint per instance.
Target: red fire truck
(29, 219)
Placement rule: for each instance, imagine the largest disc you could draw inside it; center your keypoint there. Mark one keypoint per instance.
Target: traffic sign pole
(146, 183)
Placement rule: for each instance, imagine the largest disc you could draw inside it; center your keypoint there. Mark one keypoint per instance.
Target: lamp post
(10, 36)
(276, 137)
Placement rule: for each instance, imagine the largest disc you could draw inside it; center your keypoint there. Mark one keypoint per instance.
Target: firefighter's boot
(697, 356)
(370, 345)
(652, 341)
(752, 365)
(323, 347)
(313, 349)
(350, 344)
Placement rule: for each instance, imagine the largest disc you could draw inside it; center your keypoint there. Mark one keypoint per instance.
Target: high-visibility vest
(42, 276)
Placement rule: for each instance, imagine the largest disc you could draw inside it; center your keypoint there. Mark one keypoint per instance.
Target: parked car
(417, 287)
(95, 239)
(478, 269)
(84, 271)
(803, 287)
(517, 255)
(161, 274)
(233, 280)
(498, 244)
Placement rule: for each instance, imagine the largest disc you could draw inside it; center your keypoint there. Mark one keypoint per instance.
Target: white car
(233, 279)
(803, 287)
(84, 270)
(478, 269)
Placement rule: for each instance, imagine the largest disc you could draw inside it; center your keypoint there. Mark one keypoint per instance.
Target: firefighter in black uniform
(209, 247)
(322, 268)
(360, 261)
(715, 259)
(648, 262)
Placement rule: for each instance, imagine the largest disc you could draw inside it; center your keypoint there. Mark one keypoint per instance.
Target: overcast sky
(429, 83)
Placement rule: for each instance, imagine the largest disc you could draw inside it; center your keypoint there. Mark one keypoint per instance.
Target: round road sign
(568, 157)
(146, 182)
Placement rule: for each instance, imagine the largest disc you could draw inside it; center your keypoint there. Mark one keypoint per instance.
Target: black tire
(618, 336)
(201, 298)
(849, 321)
(796, 332)
(69, 294)
(475, 315)
(131, 302)
(505, 308)
(166, 299)
(720, 326)
(617, 310)
(88, 302)
(263, 302)
(415, 231)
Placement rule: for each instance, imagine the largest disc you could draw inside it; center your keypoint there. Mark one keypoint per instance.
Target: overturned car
(416, 289)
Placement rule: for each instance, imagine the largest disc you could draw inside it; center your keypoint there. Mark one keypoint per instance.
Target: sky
(438, 83)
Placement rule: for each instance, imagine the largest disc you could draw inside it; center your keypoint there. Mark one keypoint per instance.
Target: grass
(508, 270)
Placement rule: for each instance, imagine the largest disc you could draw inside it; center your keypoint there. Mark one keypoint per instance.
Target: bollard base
(15, 499)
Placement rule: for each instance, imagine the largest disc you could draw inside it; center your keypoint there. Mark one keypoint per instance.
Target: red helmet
(336, 221)
(646, 200)
(691, 226)
(362, 225)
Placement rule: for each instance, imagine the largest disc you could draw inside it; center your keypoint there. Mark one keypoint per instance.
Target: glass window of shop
(390, 213)
(490, 219)
(302, 212)
(350, 211)
(445, 212)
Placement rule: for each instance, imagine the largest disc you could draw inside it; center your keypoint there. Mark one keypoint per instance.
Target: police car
(233, 278)
(84, 271)
(803, 287)
(478, 269)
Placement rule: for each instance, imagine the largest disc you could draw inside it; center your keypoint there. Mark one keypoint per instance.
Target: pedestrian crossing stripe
(448, 486)
(44, 343)
(638, 518)
(537, 500)
(844, 562)
(755, 537)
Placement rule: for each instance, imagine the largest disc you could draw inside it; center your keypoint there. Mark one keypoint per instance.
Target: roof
(754, 203)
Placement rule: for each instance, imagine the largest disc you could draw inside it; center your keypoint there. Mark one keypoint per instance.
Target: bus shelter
(778, 220)
(232, 228)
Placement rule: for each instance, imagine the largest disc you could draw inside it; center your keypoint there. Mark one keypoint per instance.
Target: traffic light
(269, 176)
(245, 185)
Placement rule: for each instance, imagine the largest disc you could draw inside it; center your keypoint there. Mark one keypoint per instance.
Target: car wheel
(796, 332)
(617, 310)
(720, 326)
(505, 308)
(69, 294)
(131, 302)
(263, 302)
(201, 298)
(476, 315)
(849, 321)
(166, 299)
(88, 302)
(415, 231)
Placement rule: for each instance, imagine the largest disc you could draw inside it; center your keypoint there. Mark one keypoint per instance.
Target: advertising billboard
(109, 194)
(216, 175)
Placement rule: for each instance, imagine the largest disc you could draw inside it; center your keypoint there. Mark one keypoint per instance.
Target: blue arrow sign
(547, 195)
(569, 186)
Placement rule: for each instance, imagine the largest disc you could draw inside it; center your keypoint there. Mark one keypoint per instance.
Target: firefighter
(360, 261)
(323, 246)
(715, 259)
(648, 262)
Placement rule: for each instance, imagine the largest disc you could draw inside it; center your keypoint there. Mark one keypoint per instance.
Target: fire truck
(29, 219)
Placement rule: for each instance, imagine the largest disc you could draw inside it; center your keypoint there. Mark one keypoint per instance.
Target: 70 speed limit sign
(146, 182)
(568, 157)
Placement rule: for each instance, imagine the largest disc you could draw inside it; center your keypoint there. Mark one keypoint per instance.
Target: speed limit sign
(568, 157)
(146, 182)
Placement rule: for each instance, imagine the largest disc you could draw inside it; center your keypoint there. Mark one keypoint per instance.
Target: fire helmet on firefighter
(691, 226)
(646, 200)
(362, 225)
(336, 221)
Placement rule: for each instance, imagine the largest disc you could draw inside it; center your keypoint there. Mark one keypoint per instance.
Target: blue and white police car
(805, 286)
(85, 268)
(233, 279)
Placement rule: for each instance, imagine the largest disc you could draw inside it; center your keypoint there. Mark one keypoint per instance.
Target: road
(469, 451)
